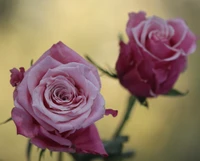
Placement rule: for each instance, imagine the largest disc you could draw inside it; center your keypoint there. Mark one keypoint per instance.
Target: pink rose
(57, 102)
(150, 63)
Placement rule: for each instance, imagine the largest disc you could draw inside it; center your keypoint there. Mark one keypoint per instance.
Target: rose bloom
(57, 102)
(155, 55)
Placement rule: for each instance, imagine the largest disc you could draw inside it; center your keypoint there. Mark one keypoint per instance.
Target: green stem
(130, 105)
(60, 156)
(28, 151)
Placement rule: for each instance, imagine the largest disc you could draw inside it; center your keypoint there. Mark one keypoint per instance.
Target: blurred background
(168, 131)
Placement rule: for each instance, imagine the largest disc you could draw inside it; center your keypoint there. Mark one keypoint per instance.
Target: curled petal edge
(112, 112)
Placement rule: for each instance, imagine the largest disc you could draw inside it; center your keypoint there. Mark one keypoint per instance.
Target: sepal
(6, 121)
(175, 92)
(109, 72)
(28, 150)
(143, 101)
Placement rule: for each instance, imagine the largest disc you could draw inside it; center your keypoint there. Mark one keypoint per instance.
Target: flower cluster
(57, 100)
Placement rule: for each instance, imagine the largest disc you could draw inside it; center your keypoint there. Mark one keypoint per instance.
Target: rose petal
(161, 76)
(43, 142)
(65, 55)
(136, 85)
(56, 138)
(152, 24)
(145, 69)
(111, 112)
(176, 67)
(134, 20)
(88, 141)
(124, 59)
(159, 49)
(24, 123)
(183, 39)
(79, 73)
(23, 99)
(35, 74)
(97, 111)
(60, 122)
(16, 76)
(137, 31)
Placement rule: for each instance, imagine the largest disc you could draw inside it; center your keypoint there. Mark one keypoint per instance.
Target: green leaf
(31, 62)
(143, 101)
(128, 154)
(174, 92)
(114, 148)
(84, 157)
(41, 154)
(28, 151)
(109, 73)
(122, 139)
(6, 121)
(120, 37)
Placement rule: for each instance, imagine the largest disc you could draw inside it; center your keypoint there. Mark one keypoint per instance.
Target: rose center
(158, 36)
(61, 93)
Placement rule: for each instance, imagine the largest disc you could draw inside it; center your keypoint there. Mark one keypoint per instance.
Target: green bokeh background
(168, 131)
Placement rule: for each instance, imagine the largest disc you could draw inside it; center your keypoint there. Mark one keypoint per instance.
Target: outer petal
(134, 20)
(176, 67)
(159, 49)
(145, 69)
(183, 38)
(129, 56)
(64, 54)
(111, 112)
(160, 77)
(36, 73)
(25, 124)
(52, 142)
(22, 98)
(16, 76)
(88, 141)
(97, 111)
(127, 69)
(56, 138)
(135, 84)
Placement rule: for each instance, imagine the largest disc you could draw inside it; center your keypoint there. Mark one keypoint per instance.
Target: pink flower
(57, 102)
(150, 63)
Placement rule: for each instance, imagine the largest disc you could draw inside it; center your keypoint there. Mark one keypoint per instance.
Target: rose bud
(155, 55)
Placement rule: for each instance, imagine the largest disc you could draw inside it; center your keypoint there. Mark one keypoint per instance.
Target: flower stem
(130, 105)
(60, 156)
